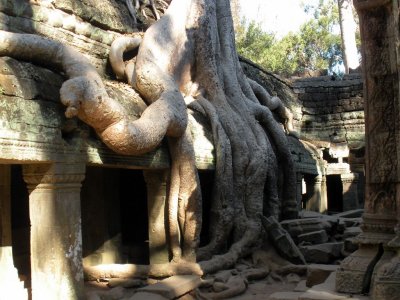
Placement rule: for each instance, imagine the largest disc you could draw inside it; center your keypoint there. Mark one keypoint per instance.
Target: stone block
(285, 296)
(293, 278)
(173, 286)
(306, 214)
(317, 273)
(350, 222)
(322, 253)
(326, 291)
(301, 286)
(355, 213)
(300, 226)
(316, 237)
(147, 296)
(324, 295)
(351, 274)
(351, 232)
(349, 247)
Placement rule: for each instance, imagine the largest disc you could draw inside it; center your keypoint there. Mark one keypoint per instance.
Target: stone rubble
(323, 240)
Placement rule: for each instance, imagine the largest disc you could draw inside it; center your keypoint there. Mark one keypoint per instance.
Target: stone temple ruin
(68, 203)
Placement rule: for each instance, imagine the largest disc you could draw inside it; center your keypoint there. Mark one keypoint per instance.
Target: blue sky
(279, 16)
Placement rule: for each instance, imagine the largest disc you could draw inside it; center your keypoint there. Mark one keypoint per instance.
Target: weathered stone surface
(174, 286)
(318, 273)
(147, 296)
(293, 278)
(301, 286)
(285, 296)
(110, 15)
(355, 213)
(387, 280)
(322, 253)
(316, 237)
(326, 291)
(350, 222)
(349, 247)
(300, 226)
(55, 189)
(351, 232)
(282, 241)
(350, 276)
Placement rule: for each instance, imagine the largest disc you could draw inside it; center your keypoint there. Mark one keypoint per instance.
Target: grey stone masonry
(332, 108)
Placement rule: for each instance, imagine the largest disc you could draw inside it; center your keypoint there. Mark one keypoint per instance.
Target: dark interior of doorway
(334, 193)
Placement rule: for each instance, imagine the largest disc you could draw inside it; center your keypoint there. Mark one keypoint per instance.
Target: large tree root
(188, 53)
(140, 271)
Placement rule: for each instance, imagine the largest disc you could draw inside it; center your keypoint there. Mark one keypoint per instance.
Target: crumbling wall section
(332, 109)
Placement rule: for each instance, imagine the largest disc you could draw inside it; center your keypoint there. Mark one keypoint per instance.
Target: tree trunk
(187, 59)
(348, 34)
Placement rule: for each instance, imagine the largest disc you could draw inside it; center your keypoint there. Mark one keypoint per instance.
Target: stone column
(156, 201)
(379, 28)
(10, 286)
(56, 238)
(323, 205)
(313, 202)
(299, 189)
(350, 191)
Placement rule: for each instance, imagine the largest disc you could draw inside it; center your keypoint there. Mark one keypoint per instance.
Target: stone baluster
(373, 268)
(156, 201)
(56, 238)
(10, 286)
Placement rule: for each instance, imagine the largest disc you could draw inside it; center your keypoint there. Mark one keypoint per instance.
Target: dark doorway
(206, 183)
(335, 193)
(20, 224)
(114, 216)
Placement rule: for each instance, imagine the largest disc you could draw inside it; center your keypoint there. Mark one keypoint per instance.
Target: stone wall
(326, 110)
(332, 109)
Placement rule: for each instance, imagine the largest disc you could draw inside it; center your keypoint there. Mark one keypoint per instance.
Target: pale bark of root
(274, 104)
(247, 139)
(192, 45)
(85, 96)
(184, 209)
(222, 207)
(118, 47)
(140, 271)
(285, 158)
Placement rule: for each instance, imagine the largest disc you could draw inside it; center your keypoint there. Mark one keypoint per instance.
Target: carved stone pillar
(299, 189)
(56, 238)
(323, 204)
(379, 33)
(10, 286)
(314, 193)
(350, 191)
(156, 198)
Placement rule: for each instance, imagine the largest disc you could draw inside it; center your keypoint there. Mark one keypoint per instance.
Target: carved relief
(382, 199)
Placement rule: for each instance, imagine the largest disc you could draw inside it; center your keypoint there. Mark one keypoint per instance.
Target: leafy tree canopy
(315, 46)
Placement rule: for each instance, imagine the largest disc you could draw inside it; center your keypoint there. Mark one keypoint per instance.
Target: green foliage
(316, 46)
